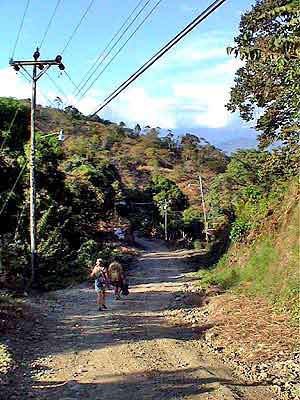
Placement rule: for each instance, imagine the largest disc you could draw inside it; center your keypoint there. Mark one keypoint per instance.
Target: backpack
(115, 271)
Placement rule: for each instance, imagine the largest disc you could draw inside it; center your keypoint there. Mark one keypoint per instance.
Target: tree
(14, 120)
(268, 83)
(137, 129)
(164, 189)
(73, 111)
(58, 102)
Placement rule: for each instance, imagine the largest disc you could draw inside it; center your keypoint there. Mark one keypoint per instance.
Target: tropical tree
(268, 83)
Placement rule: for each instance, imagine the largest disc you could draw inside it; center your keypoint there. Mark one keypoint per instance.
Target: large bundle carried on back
(115, 271)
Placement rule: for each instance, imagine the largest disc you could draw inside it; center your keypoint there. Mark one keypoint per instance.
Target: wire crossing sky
(20, 29)
(121, 48)
(77, 27)
(102, 53)
(200, 18)
(49, 24)
(187, 88)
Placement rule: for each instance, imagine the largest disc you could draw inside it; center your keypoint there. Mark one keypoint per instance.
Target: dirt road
(130, 351)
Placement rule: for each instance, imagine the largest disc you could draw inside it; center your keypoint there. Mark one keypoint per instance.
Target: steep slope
(266, 262)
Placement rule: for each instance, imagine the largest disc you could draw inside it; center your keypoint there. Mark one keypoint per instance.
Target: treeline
(88, 186)
(106, 175)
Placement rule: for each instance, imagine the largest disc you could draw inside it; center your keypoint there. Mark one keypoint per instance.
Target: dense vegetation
(258, 192)
(106, 176)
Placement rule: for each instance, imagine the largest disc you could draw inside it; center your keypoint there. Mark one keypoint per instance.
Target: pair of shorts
(99, 286)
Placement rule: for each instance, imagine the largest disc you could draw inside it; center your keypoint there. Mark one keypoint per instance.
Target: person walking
(116, 277)
(99, 273)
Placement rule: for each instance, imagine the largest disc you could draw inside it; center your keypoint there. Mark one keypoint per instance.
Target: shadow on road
(164, 385)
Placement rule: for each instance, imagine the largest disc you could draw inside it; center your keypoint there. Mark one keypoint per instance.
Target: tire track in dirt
(130, 352)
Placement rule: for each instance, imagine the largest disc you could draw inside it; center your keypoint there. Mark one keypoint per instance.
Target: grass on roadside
(267, 267)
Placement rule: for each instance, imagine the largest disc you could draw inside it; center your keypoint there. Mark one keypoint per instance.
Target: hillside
(265, 262)
(104, 176)
(139, 152)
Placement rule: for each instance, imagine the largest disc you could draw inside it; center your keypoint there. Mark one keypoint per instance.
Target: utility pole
(43, 66)
(203, 207)
(166, 219)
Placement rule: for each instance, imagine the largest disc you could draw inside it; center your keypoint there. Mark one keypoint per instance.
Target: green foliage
(239, 229)
(242, 196)
(269, 42)
(164, 190)
(87, 254)
(268, 266)
(192, 215)
(14, 120)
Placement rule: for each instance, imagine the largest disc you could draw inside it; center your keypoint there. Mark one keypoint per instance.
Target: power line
(49, 23)
(10, 126)
(20, 219)
(115, 44)
(121, 48)
(46, 97)
(24, 76)
(56, 85)
(12, 189)
(71, 80)
(113, 38)
(20, 28)
(209, 10)
(39, 90)
(77, 26)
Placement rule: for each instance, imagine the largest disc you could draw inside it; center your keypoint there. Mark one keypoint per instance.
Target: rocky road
(129, 351)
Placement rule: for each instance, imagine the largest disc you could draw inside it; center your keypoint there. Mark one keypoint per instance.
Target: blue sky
(187, 88)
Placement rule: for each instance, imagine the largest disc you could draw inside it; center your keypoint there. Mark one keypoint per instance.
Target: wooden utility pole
(166, 219)
(43, 66)
(204, 209)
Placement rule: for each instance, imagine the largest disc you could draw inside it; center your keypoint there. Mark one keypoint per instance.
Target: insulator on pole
(36, 54)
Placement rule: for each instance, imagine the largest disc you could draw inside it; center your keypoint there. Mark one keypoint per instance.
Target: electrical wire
(110, 42)
(20, 219)
(24, 76)
(49, 23)
(71, 80)
(77, 27)
(20, 29)
(38, 90)
(85, 79)
(12, 189)
(10, 126)
(57, 86)
(121, 48)
(200, 18)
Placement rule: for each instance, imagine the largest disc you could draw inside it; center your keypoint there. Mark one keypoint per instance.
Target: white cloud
(12, 85)
(136, 105)
(200, 52)
(209, 100)
(229, 67)
(199, 100)
(196, 98)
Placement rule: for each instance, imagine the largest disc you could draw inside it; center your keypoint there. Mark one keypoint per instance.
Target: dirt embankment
(132, 351)
(261, 345)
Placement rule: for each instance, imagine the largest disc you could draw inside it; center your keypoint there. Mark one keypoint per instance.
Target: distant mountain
(226, 139)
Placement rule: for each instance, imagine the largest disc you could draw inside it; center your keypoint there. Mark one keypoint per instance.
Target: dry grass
(250, 328)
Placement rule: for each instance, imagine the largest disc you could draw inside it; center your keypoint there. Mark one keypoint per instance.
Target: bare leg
(117, 292)
(99, 302)
(103, 297)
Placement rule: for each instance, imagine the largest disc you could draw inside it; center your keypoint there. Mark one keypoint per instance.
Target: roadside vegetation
(258, 193)
(107, 176)
(263, 259)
